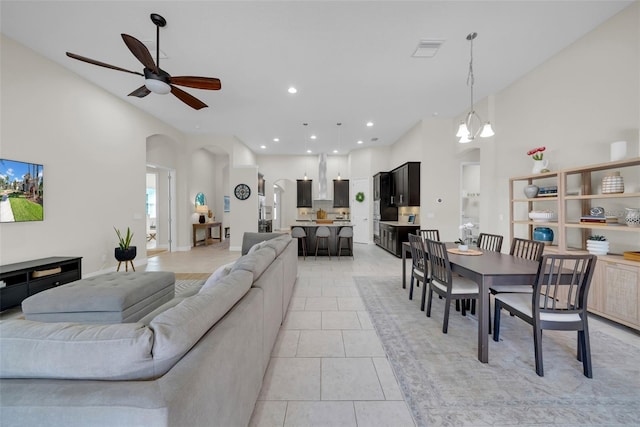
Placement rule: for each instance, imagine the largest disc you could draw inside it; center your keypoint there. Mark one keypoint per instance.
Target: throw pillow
(221, 272)
(256, 247)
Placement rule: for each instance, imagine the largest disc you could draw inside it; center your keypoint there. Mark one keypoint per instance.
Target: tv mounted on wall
(21, 191)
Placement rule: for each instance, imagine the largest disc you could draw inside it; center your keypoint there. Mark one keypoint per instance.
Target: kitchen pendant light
(472, 126)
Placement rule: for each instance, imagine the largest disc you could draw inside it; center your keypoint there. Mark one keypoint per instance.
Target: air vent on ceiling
(427, 48)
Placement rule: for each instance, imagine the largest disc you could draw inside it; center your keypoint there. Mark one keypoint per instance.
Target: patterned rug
(445, 385)
(186, 286)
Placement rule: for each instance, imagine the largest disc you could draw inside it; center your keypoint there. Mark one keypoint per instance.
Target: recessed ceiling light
(292, 90)
(309, 151)
(335, 151)
(369, 124)
(263, 146)
(313, 137)
(360, 142)
(276, 139)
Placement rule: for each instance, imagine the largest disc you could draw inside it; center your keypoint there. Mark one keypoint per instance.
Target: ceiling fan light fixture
(157, 86)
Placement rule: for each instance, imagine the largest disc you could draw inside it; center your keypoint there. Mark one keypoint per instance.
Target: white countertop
(399, 224)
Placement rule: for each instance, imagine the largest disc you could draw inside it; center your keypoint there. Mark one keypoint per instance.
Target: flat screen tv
(21, 191)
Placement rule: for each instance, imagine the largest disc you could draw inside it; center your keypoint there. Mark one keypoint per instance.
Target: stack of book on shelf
(551, 190)
(600, 220)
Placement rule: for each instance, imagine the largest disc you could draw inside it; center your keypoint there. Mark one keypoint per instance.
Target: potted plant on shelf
(124, 252)
(597, 245)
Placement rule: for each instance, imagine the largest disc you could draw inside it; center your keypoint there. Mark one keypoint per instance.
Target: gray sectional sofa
(198, 360)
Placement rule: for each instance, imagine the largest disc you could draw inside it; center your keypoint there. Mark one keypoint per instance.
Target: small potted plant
(597, 245)
(463, 243)
(462, 246)
(124, 251)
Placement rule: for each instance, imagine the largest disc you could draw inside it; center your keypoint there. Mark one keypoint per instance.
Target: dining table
(488, 269)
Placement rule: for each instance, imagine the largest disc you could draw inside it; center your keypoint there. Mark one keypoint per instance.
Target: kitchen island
(310, 227)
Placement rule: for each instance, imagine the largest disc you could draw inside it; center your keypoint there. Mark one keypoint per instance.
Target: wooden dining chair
(444, 283)
(490, 242)
(432, 234)
(418, 270)
(558, 302)
(521, 248)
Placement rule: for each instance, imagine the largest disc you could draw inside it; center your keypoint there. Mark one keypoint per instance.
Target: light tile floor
(328, 367)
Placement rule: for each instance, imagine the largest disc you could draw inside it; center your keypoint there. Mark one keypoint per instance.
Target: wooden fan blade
(140, 51)
(141, 92)
(190, 100)
(209, 83)
(101, 64)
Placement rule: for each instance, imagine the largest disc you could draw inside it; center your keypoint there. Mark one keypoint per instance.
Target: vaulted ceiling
(349, 60)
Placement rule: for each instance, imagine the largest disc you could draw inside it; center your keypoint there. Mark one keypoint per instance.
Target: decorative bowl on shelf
(543, 216)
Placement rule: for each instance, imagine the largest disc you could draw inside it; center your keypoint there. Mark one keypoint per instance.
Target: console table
(23, 279)
(207, 226)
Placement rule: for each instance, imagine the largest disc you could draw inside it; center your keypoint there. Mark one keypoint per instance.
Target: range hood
(323, 193)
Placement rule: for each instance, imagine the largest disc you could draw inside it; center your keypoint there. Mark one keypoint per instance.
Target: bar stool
(299, 233)
(322, 233)
(347, 234)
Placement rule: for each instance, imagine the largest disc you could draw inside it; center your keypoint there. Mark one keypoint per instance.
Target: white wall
(575, 104)
(244, 213)
(93, 148)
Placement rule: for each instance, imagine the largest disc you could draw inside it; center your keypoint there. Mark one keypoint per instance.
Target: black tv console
(26, 278)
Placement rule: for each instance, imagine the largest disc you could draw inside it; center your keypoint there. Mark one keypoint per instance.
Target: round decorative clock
(242, 191)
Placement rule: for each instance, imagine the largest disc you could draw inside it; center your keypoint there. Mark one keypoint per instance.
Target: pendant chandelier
(473, 124)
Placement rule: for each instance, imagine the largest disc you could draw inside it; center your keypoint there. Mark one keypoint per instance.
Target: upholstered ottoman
(107, 298)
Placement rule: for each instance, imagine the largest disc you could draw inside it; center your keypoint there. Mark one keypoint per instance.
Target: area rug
(187, 287)
(445, 385)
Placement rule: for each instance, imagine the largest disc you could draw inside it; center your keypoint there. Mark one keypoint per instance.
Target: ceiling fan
(156, 79)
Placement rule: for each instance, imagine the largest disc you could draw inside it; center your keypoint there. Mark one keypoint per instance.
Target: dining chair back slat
(430, 234)
(490, 242)
(527, 249)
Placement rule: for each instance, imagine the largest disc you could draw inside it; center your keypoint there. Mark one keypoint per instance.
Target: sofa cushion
(31, 349)
(177, 329)
(279, 243)
(251, 238)
(221, 272)
(256, 262)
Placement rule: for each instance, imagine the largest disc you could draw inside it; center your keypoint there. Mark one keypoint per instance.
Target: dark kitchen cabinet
(392, 236)
(304, 193)
(340, 193)
(382, 193)
(406, 185)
